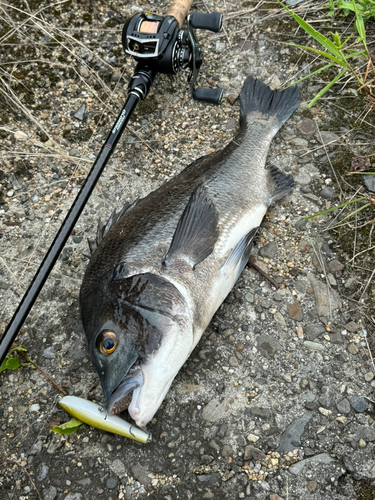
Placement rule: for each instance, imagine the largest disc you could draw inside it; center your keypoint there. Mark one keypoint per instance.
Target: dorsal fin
(196, 231)
(102, 229)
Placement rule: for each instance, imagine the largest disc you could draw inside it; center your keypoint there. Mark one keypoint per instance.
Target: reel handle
(179, 10)
(212, 22)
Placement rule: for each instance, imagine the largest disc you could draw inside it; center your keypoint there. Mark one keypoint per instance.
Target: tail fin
(258, 97)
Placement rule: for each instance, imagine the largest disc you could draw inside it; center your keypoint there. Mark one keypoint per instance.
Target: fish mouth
(121, 396)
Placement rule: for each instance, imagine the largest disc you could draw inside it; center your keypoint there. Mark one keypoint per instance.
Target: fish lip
(132, 380)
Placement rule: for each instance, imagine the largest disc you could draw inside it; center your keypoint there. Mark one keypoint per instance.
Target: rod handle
(179, 10)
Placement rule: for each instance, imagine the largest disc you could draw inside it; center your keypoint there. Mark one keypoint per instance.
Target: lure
(92, 414)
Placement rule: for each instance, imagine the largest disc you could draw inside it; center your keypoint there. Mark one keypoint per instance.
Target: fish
(93, 414)
(162, 266)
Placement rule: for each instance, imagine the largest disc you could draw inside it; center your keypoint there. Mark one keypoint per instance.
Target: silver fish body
(161, 268)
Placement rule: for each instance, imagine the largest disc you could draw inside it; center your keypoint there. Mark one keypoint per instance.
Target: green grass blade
(327, 87)
(327, 66)
(356, 211)
(335, 208)
(325, 42)
(341, 62)
(360, 25)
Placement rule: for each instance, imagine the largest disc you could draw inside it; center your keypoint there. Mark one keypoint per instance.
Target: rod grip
(179, 10)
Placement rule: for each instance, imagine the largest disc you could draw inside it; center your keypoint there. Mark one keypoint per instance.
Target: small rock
(220, 46)
(260, 412)
(361, 443)
(49, 353)
(302, 143)
(313, 331)
(268, 344)
(313, 345)
(325, 137)
(111, 483)
(322, 458)
(84, 71)
(343, 406)
(336, 338)
(336, 267)
(34, 407)
(252, 438)
(326, 300)
(233, 361)
(352, 349)
(74, 152)
(341, 419)
(358, 404)
(352, 326)
(43, 471)
(227, 451)
(249, 297)
(275, 496)
(311, 486)
(369, 376)
(240, 346)
(231, 99)
(49, 493)
(290, 439)
(279, 318)
(365, 433)
(307, 126)
(302, 179)
(118, 467)
(255, 453)
(369, 182)
(328, 193)
(214, 410)
(80, 112)
(269, 251)
(20, 136)
(324, 411)
(295, 311)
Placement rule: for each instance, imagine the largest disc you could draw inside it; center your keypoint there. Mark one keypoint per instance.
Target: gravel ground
(277, 400)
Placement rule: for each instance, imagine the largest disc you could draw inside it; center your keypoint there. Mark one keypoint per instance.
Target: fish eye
(108, 342)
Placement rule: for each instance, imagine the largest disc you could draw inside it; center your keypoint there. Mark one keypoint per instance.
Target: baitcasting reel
(167, 48)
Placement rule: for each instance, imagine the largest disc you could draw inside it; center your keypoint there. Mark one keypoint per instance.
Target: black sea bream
(161, 267)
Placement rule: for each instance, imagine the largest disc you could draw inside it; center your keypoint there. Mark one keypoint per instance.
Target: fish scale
(162, 268)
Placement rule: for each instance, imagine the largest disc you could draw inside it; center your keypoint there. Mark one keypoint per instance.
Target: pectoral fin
(196, 231)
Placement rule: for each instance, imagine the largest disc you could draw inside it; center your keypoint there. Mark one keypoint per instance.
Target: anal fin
(196, 231)
(283, 183)
(240, 254)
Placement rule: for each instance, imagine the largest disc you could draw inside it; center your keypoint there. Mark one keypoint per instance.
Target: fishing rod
(159, 45)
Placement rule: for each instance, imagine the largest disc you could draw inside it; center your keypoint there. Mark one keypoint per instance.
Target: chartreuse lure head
(92, 414)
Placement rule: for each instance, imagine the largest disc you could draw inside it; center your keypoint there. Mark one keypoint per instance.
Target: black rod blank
(65, 230)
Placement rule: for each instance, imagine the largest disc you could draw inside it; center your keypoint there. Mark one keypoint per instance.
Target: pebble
(20, 136)
(335, 266)
(215, 410)
(311, 486)
(361, 443)
(313, 345)
(249, 297)
(49, 493)
(326, 300)
(269, 251)
(307, 126)
(255, 453)
(343, 406)
(227, 451)
(302, 179)
(325, 137)
(314, 331)
(111, 483)
(80, 112)
(34, 407)
(84, 71)
(369, 376)
(279, 318)
(322, 458)
(43, 471)
(295, 311)
(269, 344)
(352, 349)
(252, 438)
(328, 193)
(49, 353)
(291, 438)
(324, 411)
(342, 419)
(358, 404)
